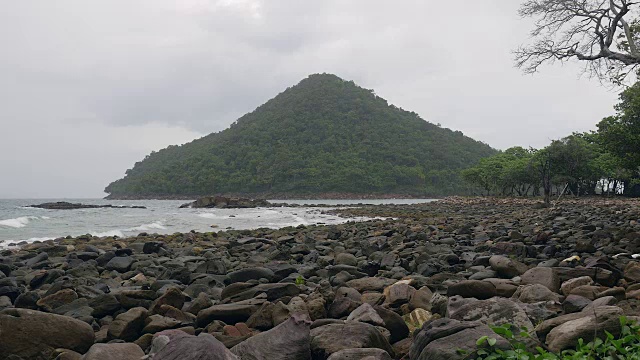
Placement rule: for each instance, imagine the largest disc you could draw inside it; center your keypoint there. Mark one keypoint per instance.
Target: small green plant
(300, 280)
(625, 347)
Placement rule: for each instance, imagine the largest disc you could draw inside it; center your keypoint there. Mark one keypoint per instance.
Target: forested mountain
(323, 135)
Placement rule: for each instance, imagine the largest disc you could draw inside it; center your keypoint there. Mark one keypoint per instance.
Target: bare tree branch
(602, 33)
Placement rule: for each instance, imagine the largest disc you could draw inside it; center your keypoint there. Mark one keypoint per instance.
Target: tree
(603, 33)
(620, 136)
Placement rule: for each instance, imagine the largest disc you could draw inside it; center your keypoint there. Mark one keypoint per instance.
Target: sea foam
(19, 222)
(117, 233)
(147, 227)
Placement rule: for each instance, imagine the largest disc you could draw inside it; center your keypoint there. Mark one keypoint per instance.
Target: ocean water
(18, 222)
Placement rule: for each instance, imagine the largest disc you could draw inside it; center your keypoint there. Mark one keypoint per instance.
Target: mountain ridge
(323, 135)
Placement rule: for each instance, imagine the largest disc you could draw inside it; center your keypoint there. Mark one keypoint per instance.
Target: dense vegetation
(606, 161)
(322, 135)
(626, 346)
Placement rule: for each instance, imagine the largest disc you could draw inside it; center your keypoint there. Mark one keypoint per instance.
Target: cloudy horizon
(91, 87)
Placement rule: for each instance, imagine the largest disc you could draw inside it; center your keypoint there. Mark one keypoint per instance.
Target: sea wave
(20, 222)
(117, 233)
(158, 225)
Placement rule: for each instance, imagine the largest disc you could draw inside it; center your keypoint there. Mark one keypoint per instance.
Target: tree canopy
(606, 161)
(323, 135)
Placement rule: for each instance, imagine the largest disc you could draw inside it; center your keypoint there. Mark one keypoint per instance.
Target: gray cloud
(90, 87)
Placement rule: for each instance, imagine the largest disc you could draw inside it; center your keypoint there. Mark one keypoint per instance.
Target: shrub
(626, 346)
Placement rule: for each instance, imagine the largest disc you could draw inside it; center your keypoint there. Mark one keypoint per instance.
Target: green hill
(323, 135)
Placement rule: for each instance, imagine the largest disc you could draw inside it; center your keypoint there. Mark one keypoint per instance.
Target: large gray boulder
(178, 345)
(287, 341)
(331, 338)
(124, 351)
(587, 327)
(360, 354)
(448, 339)
(494, 311)
(35, 335)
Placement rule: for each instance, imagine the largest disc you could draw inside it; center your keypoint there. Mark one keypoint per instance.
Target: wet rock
(398, 293)
(393, 322)
(156, 323)
(247, 274)
(494, 311)
(545, 276)
(443, 338)
(178, 345)
(370, 284)
(535, 293)
(568, 286)
(365, 313)
(506, 267)
(126, 351)
(120, 264)
(473, 289)
(566, 335)
(575, 303)
(346, 259)
(35, 335)
(287, 341)
(62, 297)
(632, 272)
(329, 339)
(360, 354)
(229, 313)
(128, 326)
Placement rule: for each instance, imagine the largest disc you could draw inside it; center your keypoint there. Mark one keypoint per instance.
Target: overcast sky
(90, 87)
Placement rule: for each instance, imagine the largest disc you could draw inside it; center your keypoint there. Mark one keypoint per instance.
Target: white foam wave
(147, 227)
(117, 233)
(19, 222)
(212, 216)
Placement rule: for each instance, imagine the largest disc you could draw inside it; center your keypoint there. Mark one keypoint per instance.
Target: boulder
(394, 323)
(445, 338)
(365, 313)
(546, 326)
(588, 326)
(481, 290)
(568, 286)
(57, 299)
(632, 272)
(360, 354)
(494, 311)
(506, 267)
(229, 313)
(370, 284)
(535, 293)
(254, 273)
(120, 264)
(128, 325)
(124, 351)
(545, 276)
(35, 335)
(346, 259)
(287, 341)
(398, 294)
(178, 345)
(574, 303)
(331, 338)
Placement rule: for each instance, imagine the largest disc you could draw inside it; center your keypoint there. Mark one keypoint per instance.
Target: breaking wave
(20, 222)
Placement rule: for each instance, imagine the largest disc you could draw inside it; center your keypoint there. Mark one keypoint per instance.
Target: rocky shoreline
(423, 284)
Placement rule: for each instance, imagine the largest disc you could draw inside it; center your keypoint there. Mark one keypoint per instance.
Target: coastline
(278, 196)
(463, 261)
